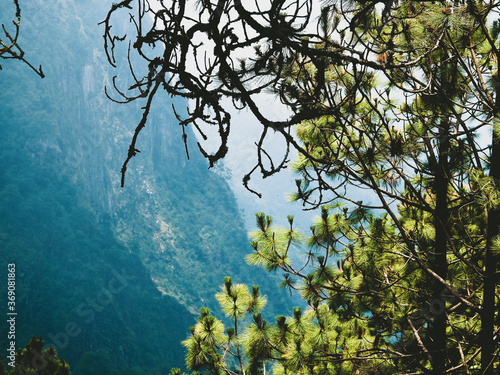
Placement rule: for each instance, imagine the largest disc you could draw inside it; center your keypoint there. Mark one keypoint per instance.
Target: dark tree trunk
(437, 329)
(490, 260)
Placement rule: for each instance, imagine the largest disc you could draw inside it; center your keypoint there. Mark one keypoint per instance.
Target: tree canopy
(400, 99)
(37, 361)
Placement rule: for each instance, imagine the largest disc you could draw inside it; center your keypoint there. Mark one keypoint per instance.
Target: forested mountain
(109, 276)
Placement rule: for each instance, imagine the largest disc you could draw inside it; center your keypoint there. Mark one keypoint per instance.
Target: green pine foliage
(36, 360)
(368, 308)
(406, 283)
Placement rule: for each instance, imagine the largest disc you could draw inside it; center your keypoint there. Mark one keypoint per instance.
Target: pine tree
(386, 98)
(216, 348)
(35, 360)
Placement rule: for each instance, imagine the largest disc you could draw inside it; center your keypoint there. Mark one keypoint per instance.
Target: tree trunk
(437, 329)
(490, 260)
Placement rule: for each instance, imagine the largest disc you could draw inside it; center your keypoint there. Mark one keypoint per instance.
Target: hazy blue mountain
(110, 276)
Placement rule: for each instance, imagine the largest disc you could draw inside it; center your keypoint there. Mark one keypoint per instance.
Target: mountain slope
(172, 233)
